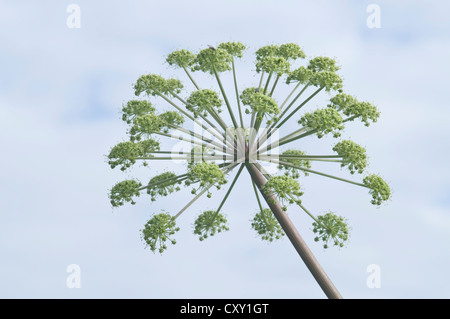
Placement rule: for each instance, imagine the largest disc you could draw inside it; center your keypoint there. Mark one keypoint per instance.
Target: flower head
(353, 155)
(350, 106)
(259, 102)
(209, 223)
(284, 187)
(153, 84)
(301, 75)
(158, 230)
(203, 101)
(324, 121)
(124, 191)
(292, 171)
(126, 153)
(209, 60)
(206, 174)
(181, 58)
(235, 49)
(267, 226)
(136, 108)
(379, 189)
(162, 185)
(331, 228)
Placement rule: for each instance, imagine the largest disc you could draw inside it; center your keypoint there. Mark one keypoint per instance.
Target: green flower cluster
(153, 84)
(331, 228)
(147, 124)
(287, 51)
(158, 230)
(294, 172)
(276, 59)
(125, 153)
(172, 118)
(124, 191)
(275, 64)
(291, 51)
(209, 223)
(284, 187)
(323, 121)
(353, 155)
(324, 73)
(267, 226)
(379, 189)
(135, 108)
(202, 101)
(350, 106)
(235, 49)
(158, 186)
(259, 102)
(301, 75)
(323, 63)
(206, 174)
(151, 123)
(208, 60)
(181, 58)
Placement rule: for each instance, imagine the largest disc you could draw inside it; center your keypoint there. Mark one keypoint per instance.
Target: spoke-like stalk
(175, 179)
(299, 107)
(257, 196)
(191, 78)
(290, 105)
(289, 96)
(286, 141)
(294, 236)
(318, 173)
(182, 138)
(261, 80)
(198, 136)
(274, 85)
(266, 157)
(225, 98)
(187, 158)
(269, 147)
(237, 93)
(267, 82)
(229, 191)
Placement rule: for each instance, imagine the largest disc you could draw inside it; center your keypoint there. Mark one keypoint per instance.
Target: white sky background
(61, 91)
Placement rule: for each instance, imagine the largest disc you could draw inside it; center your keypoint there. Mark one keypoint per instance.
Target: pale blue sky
(61, 91)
